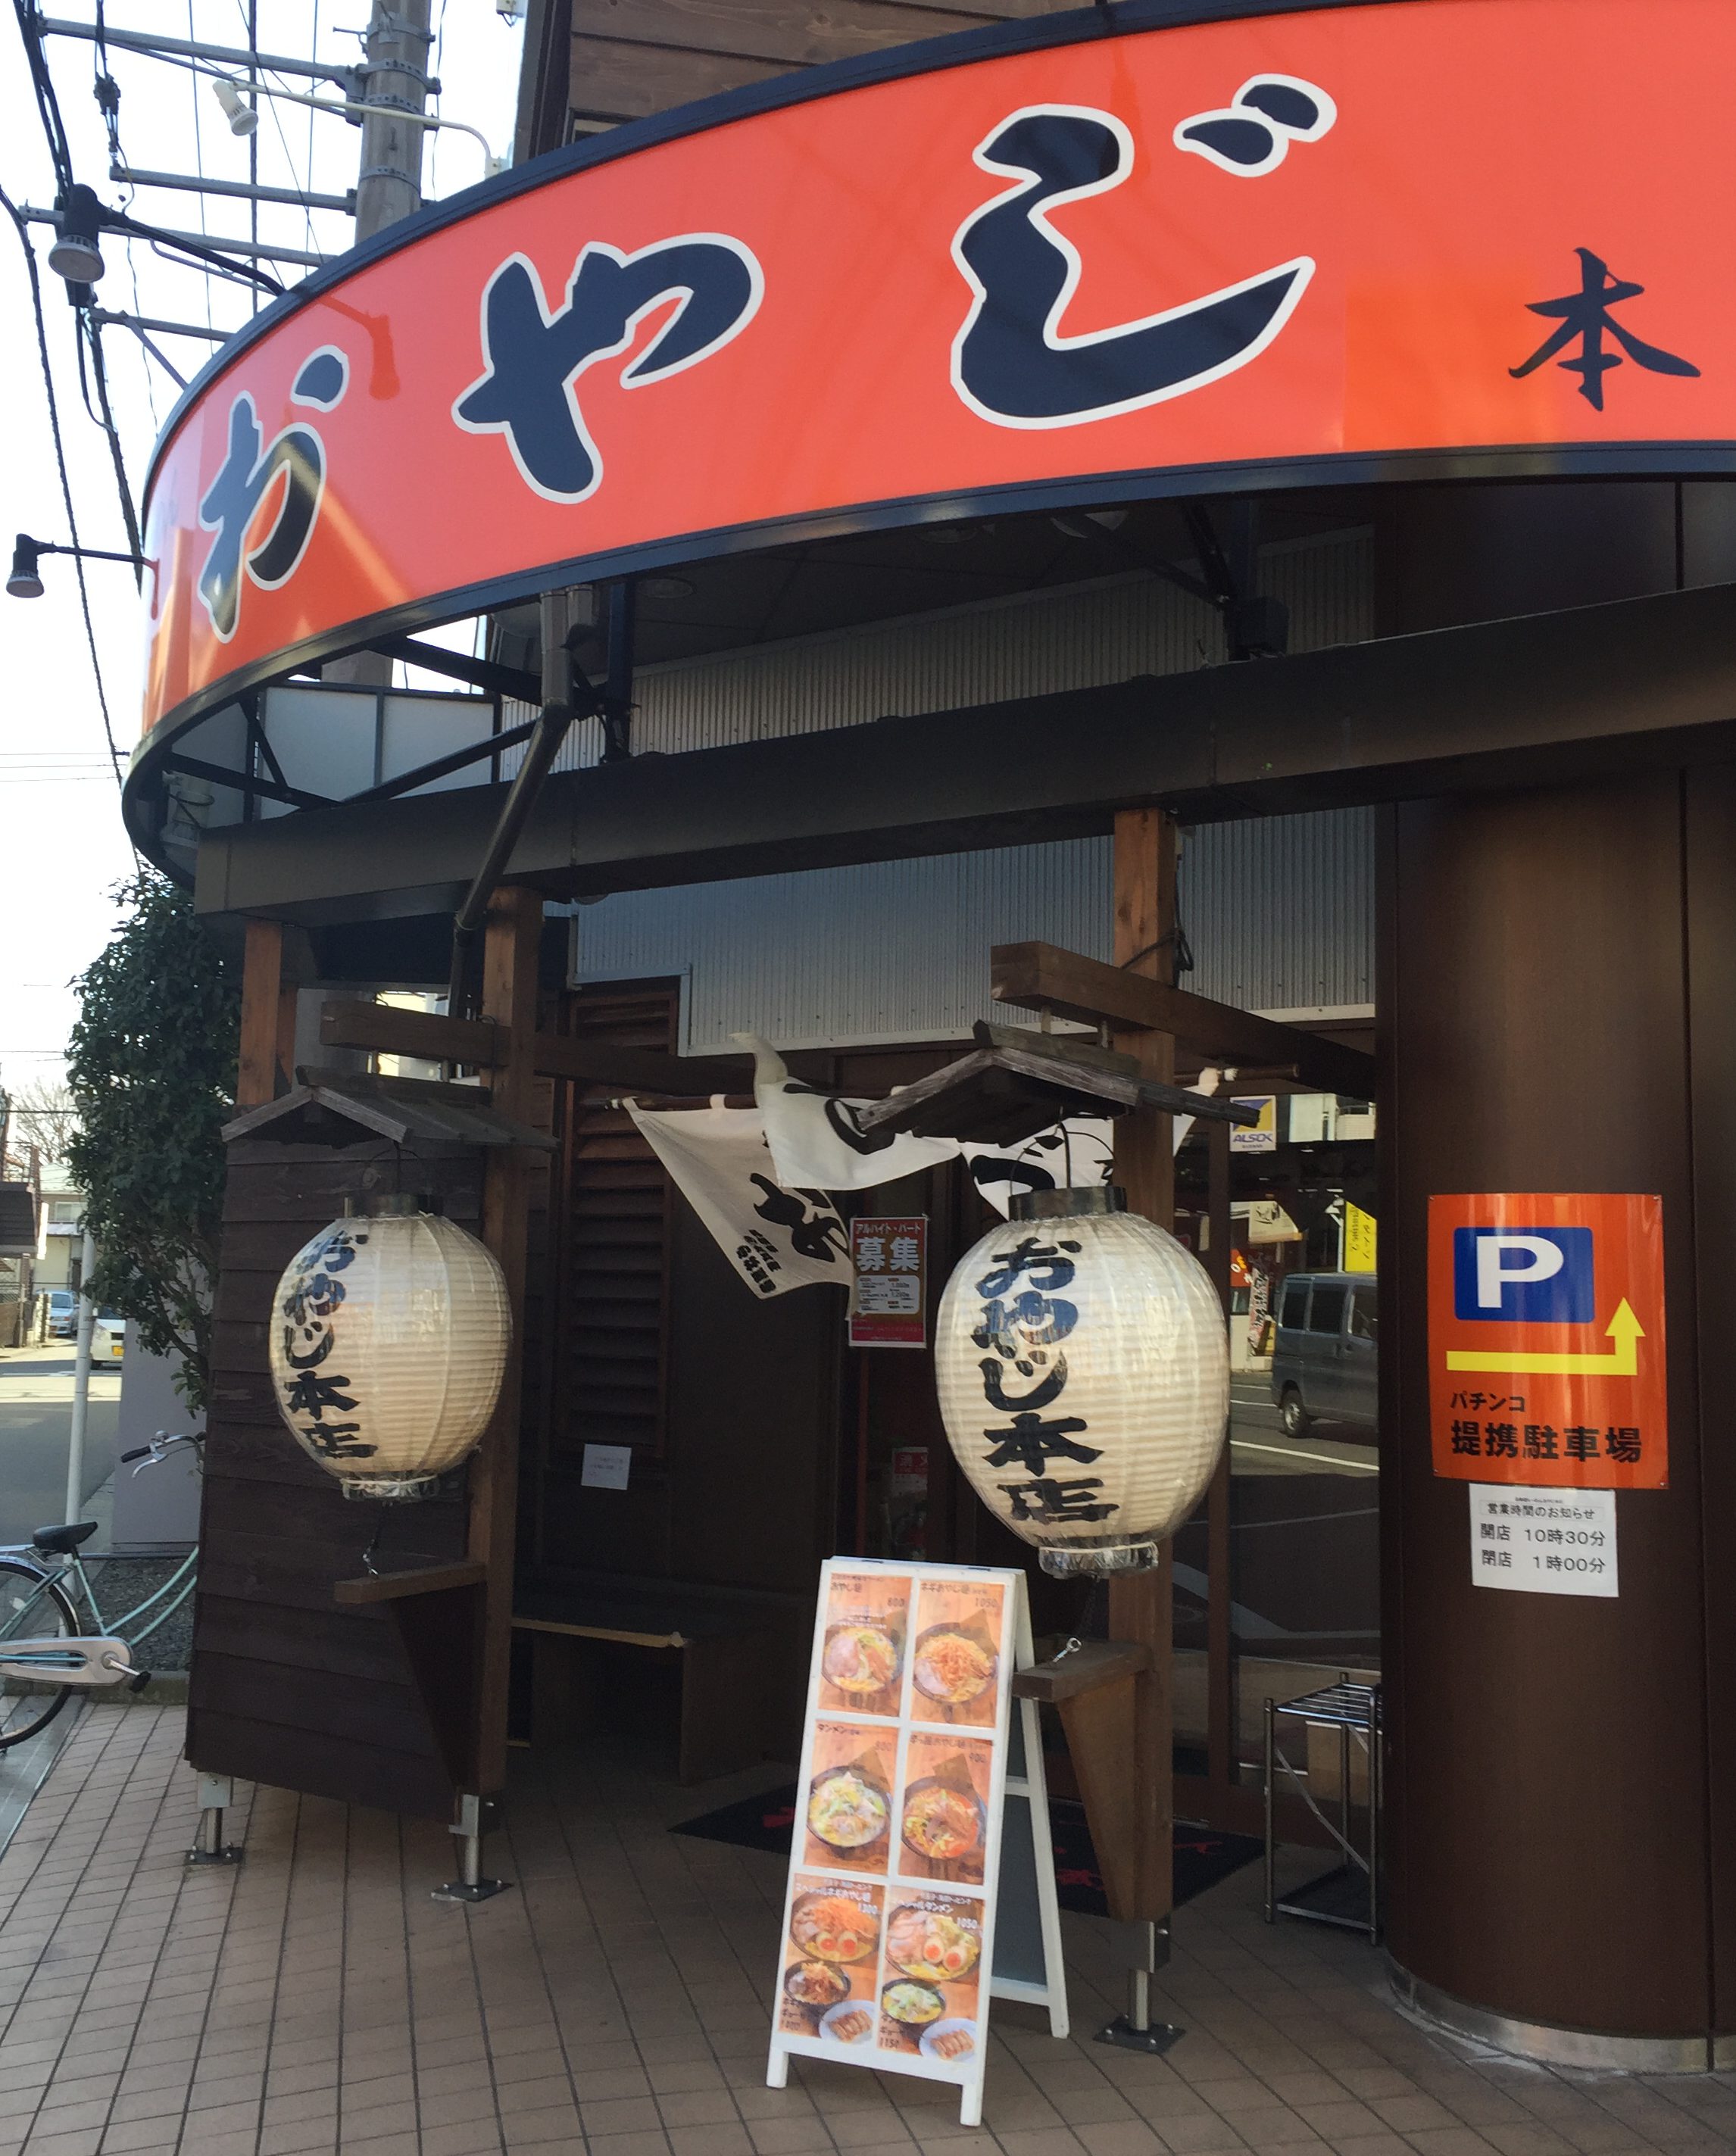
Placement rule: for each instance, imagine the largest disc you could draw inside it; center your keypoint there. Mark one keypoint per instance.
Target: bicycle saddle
(64, 1540)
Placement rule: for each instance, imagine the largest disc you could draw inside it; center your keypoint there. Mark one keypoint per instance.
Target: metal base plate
(455, 1890)
(230, 1853)
(1156, 2038)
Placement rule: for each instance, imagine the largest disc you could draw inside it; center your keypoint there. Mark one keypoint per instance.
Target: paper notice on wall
(1543, 1542)
(776, 1238)
(889, 1301)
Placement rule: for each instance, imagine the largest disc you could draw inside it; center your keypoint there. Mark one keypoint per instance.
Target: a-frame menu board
(896, 1869)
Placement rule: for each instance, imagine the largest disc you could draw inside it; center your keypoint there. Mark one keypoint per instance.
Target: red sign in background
(1545, 1339)
(1466, 165)
(889, 1294)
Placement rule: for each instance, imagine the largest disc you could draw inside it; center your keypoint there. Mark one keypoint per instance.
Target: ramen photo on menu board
(861, 1663)
(954, 1652)
(831, 1961)
(931, 1977)
(848, 1803)
(944, 1807)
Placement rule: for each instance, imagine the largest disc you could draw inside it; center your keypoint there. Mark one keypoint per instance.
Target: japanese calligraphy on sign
(1546, 1340)
(889, 1301)
(1005, 270)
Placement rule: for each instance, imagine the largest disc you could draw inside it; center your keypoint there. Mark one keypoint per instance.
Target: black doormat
(1202, 1855)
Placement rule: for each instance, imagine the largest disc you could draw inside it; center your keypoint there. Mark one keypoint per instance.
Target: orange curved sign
(1334, 244)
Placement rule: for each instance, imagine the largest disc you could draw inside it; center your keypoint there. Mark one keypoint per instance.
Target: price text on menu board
(889, 1921)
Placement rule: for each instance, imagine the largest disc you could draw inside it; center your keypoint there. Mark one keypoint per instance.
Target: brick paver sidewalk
(316, 2000)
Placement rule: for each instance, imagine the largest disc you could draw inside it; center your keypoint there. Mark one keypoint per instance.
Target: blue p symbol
(1524, 1276)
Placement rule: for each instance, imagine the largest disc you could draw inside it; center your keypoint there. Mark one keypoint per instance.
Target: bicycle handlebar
(158, 1448)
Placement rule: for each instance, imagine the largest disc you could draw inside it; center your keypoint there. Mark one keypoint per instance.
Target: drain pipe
(565, 696)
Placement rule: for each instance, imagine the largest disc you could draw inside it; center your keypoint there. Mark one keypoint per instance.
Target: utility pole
(81, 1380)
(389, 185)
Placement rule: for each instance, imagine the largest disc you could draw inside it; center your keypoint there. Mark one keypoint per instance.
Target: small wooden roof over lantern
(342, 1108)
(1016, 1083)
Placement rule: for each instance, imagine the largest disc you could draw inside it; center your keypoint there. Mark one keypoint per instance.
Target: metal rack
(1353, 1710)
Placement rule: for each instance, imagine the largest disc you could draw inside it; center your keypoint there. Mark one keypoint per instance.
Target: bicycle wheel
(32, 1607)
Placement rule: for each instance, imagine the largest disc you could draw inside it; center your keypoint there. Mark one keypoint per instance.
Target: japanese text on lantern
(310, 1305)
(1022, 1322)
(1545, 1339)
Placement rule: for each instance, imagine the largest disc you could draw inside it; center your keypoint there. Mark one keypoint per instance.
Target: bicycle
(39, 1610)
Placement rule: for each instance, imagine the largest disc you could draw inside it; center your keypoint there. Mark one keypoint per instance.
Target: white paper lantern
(389, 1336)
(1084, 1377)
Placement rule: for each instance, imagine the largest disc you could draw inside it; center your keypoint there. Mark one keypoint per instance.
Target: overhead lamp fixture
(25, 580)
(242, 117)
(76, 254)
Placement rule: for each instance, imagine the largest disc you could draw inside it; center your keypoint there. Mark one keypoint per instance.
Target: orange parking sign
(1545, 1339)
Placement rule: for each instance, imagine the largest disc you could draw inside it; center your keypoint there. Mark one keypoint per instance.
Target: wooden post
(261, 993)
(510, 942)
(1140, 1602)
(1219, 1645)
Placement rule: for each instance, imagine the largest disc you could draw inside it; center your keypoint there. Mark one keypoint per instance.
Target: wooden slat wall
(286, 1688)
(613, 1282)
(631, 58)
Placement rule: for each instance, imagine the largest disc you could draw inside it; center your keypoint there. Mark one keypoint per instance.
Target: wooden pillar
(1219, 1645)
(261, 997)
(1140, 1602)
(511, 944)
(1557, 1015)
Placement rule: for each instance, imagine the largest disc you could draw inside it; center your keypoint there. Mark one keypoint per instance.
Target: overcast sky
(62, 847)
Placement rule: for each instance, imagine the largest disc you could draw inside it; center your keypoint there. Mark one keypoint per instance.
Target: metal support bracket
(474, 1817)
(1144, 1945)
(217, 1795)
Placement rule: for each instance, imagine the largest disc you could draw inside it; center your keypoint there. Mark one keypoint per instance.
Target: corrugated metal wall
(1078, 637)
(1279, 911)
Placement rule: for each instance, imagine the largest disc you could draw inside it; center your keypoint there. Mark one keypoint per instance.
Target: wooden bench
(742, 1661)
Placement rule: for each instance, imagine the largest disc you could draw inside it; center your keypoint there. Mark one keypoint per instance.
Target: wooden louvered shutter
(614, 1289)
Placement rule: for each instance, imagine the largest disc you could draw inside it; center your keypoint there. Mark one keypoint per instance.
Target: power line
(47, 382)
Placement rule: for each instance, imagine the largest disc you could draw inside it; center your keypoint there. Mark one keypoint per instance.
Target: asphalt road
(35, 1420)
(1259, 1446)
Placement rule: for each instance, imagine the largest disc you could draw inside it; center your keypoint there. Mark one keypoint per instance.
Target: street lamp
(76, 254)
(242, 118)
(25, 580)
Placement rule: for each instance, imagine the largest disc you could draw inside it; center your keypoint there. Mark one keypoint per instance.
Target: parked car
(1326, 1354)
(108, 1337)
(63, 1313)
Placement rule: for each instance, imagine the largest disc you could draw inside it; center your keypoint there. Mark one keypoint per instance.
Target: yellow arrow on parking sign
(1622, 1361)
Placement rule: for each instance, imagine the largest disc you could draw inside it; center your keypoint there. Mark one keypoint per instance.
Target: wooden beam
(511, 943)
(261, 998)
(485, 1045)
(1219, 1644)
(346, 1024)
(641, 1070)
(396, 1586)
(1088, 1668)
(1034, 976)
(1141, 1603)
(1526, 700)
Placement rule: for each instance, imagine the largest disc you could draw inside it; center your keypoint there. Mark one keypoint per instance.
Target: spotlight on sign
(389, 1336)
(1084, 1378)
